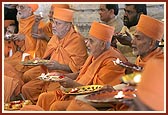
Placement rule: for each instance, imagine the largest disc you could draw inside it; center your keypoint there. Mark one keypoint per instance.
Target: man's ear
(111, 11)
(30, 10)
(103, 44)
(152, 43)
(68, 26)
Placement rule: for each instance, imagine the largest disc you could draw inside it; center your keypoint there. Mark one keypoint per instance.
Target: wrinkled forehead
(142, 35)
(92, 38)
(58, 21)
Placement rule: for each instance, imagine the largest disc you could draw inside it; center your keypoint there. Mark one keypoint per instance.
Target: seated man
(146, 40)
(149, 32)
(9, 45)
(45, 33)
(98, 68)
(149, 97)
(24, 41)
(66, 51)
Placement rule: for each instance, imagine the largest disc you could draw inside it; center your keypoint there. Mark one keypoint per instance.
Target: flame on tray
(120, 94)
(24, 55)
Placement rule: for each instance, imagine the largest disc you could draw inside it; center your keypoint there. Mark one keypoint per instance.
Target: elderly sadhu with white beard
(25, 43)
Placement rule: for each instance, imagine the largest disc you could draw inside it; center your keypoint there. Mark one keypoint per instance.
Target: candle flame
(137, 78)
(24, 55)
(119, 95)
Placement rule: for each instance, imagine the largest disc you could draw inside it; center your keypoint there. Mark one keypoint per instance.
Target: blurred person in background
(109, 15)
(130, 20)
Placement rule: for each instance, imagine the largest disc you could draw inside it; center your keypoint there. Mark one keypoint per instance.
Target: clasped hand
(124, 39)
(52, 65)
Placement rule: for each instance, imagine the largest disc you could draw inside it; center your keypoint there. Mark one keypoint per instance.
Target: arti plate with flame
(34, 62)
(16, 105)
(83, 89)
(110, 96)
(48, 77)
(133, 78)
(128, 65)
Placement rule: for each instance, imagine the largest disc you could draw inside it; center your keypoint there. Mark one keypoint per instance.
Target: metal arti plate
(110, 97)
(34, 62)
(83, 89)
(128, 65)
(47, 77)
(16, 105)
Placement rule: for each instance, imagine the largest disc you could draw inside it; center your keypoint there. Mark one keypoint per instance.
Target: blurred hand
(39, 35)
(55, 74)
(66, 82)
(19, 37)
(124, 39)
(129, 88)
(107, 88)
(51, 65)
(38, 18)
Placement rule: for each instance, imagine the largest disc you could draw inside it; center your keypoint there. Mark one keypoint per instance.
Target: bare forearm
(35, 28)
(47, 38)
(64, 68)
(76, 84)
(72, 75)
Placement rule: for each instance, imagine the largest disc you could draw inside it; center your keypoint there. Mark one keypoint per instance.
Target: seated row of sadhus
(69, 57)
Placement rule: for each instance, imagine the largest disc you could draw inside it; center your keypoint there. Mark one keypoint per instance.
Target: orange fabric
(59, 105)
(151, 27)
(31, 108)
(157, 53)
(29, 75)
(10, 84)
(151, 88)
(101, 31)
(9, 45)
(77, 105)
(46, 99)
(33, 6)
(48, 29)
(99, 71)
(31, 44)
(61, 6)
(63, 14)
(71, 51)
(8, 22)
(28, 45)
(102, 70)
(32, 89)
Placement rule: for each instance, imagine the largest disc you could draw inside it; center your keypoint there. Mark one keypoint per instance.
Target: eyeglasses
(129, 12)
